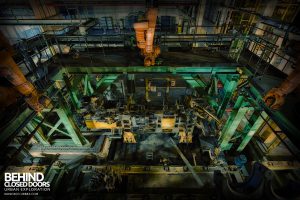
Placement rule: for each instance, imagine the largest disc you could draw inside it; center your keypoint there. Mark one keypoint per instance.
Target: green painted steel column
(230, 86)
(72, 91)
(257, 124)
(53, 127)
(212, 103)
(105, 81)
(85, 83)
(195, 82)
(88, 89)
(213, 89)
(236, 116)
(71, 128)
(38, 134)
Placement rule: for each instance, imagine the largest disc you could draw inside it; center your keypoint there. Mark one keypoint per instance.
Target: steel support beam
(72, 90)
(213, 89)
(230, 86)
(53, 128)
(236, 116)
(72, 131)
(225, 68)
(88, 89)
(85, 83)
(194, 82)
(106, 81)
(255, 127)
(187, 163)
(39, 135)
(71, 128)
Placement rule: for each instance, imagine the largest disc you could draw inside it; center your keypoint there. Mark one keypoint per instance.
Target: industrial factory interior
(151, 99)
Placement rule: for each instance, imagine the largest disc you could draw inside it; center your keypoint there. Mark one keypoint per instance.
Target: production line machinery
(104, 128)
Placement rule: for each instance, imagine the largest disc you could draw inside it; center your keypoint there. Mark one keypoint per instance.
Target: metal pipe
(209, 114)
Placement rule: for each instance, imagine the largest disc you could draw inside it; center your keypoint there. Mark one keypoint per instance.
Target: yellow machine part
(128, 137)
(185, 137)
(94, 124)
(167, 123)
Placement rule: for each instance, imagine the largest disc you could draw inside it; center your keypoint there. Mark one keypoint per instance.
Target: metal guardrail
(42, 22)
